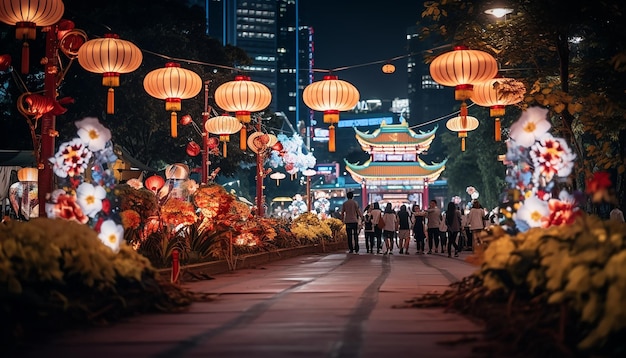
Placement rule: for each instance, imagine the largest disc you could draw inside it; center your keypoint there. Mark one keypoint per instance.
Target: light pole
(308, 174)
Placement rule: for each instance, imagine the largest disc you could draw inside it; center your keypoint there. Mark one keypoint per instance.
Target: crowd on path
(447, 230)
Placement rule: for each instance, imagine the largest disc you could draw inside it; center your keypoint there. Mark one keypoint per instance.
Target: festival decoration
(278, 176)
(85, 196)
(496, 94)
(331, 96)
(243, 96)
(110, 56)
(5, 62)
(291, 155)
(26, 15)
(223, 126)
(462, 125)
(173, 84)
(155, 183)
(388, 68)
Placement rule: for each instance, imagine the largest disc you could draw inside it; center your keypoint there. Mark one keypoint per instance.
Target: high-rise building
(428, 99)
(280, 47)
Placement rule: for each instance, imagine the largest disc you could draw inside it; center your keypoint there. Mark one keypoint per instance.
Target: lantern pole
(205, 135)
(259, 175)
(48, 120)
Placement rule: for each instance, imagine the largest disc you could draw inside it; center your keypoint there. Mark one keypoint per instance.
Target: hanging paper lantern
(243, 96)
(462, 125)
(462, 69)
(5, 62)
(278, 177)
(490, 94)
(185, 120)
(389, 68)
(154, 183)
(331, 96)
(172, 84)
(177, 171)
(223, 126)
(28, 174)
(110, 56)
(193, 149)
(26, 15)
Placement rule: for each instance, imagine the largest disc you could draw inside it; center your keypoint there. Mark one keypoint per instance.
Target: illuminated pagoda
(395, 173)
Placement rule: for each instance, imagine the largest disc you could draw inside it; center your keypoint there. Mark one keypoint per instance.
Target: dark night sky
(350, 32)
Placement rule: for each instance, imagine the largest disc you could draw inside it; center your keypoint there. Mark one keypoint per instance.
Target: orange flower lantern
(172, 84)
(243, 96)
(462, 125)
(26, 15)
(110, 56)
(154, 183)
(331, 96)
(492, 94)
(462, 69)
(223, 126)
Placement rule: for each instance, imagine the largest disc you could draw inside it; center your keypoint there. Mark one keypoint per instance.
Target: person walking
(404, 229)
(378, 232)
(453, 222)
(419, 231)
(368, 226)
(433, 215)
(351, 214)
(475, 220)
(391, 225)
(443, 232)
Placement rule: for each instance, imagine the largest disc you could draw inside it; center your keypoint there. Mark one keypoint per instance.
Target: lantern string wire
(440, 118)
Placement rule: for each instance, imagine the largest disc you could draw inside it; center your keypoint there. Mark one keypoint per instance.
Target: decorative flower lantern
(154, 183)
(26, 15)
(258, 141)
(223, 126)
(494, 95)
(388, 68)
(28, 175)
(110, 56)
(172, 84)
(243, 96)
(278, 176)
(462, 125)
(331, 96)
(462, 69)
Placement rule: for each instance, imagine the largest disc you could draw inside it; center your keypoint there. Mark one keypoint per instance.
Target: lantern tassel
(173, 125)
(224, 149)
(498, 135)
(331, 138)
(277, 182)
(463, 111)
(463, 144)
(243, 138)
(111, 101)
(25, 58)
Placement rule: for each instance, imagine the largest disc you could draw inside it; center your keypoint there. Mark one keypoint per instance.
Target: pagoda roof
(395, 137)
(376, 171)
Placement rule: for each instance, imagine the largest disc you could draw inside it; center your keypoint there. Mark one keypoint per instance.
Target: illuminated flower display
(90, 200)
(536, 163)
(291, 156)
(130, 219)
(178, 212)
(71, 159)
(111, 234)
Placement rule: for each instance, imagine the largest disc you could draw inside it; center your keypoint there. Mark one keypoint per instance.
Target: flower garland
(86, 183)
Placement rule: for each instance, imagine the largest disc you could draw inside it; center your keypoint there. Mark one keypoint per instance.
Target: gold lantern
(462, 125)
(223, 126)
(110, 56)
(243, 96)
(462, 68)
(28, 174)
(494, 95)
(331, 96)
(388, 68)
(173, 84)
(26, 15)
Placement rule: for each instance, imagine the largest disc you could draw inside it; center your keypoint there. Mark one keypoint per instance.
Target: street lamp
(308, 174)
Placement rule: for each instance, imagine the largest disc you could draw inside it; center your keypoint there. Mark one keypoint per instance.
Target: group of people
(442, 230)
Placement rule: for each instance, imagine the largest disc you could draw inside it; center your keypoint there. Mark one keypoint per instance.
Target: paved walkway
(324, 305)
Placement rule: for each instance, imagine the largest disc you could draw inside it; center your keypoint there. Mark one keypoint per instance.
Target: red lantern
(193, 149)
(212, 142)
(154, 183)
(185, 120)
(5, 62)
